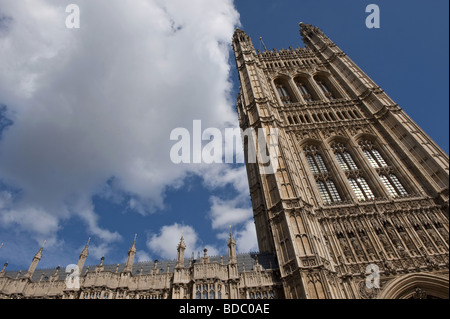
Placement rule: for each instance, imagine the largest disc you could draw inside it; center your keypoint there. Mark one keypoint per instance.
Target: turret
(34, 263)
(84, 254)
(232, 249)
(130, 259)
(2, 273)
(180, 255)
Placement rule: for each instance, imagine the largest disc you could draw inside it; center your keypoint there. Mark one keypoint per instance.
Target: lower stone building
(244, 276)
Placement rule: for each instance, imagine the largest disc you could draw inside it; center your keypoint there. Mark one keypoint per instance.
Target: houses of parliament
(358, 207)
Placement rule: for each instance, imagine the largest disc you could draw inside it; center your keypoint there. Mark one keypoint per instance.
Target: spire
(180, 255)
(308, 31)
(232, 249)
(83, 256)
(130, 259)
(2, 273)
(35, 262)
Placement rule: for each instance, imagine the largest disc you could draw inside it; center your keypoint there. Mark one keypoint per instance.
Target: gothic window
(316, 163)
(326, 89)
(198, 294)
(346, 161)
(361, 189)
(386, 172)
(219, 291)
(290, 120)
(332, 191)
(393, 185)
(358, 183)
(375, 158)
(206, 291)
(308, 119)
(284, 93)
(327, 188)
(304, 90)
(324, 192)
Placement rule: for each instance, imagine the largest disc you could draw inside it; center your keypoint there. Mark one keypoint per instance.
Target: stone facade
(356, 209)
(359, 186)
(247, 276)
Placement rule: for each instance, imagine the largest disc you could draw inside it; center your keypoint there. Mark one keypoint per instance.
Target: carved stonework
(419, 294)
(367, 293)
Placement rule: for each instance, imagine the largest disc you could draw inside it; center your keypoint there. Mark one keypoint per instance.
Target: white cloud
(225, 213)
(142, 256)
(246, 240)
(165, 243)
(99, 102)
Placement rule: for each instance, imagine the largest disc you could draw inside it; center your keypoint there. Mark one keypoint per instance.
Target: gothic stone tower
(360, 189)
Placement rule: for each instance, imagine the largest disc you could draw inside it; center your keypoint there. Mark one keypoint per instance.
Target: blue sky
(86, 114)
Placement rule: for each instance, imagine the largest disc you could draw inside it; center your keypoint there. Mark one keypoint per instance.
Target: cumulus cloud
(165, 243)
(97, 104)
(226, 213)
(246, 240)
(229, 211)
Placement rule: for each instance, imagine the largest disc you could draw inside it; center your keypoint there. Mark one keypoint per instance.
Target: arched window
(316, 163)
(290, 120)
(308, 119)
(283, 92)
(316, 119)
(361, 189)
(305, 90)
(219, 291)
(346, 161)
(207, 291)
(333, 117)
(375, 158)
(358, 183)
(326, 87)
(327, 188)
(386, 172)
(393, 185)
(321, 119)
(328, 191)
